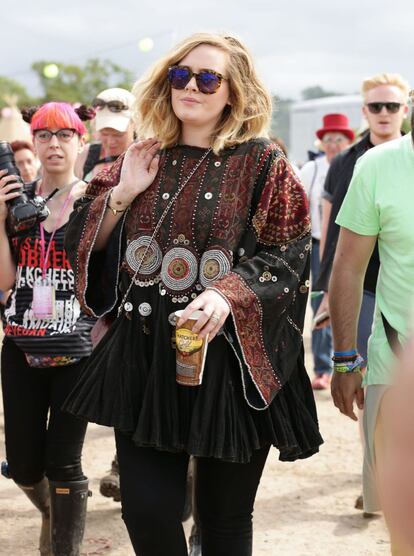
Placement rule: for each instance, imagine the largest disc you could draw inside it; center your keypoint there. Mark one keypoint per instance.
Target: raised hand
(139, 168)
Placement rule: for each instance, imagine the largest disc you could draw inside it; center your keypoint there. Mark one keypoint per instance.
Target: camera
(23, 212)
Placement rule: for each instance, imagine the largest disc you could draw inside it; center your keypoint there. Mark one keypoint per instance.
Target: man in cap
(116, 133)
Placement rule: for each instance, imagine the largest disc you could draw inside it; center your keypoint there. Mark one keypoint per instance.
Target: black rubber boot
(39, 496)
(68, 501)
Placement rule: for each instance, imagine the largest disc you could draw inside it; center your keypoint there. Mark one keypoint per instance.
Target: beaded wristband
(350, 353)
(349, 366)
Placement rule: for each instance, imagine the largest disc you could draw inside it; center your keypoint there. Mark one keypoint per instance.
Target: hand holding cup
(214, 311)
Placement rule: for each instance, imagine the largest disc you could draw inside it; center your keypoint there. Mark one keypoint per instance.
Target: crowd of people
(183, 203)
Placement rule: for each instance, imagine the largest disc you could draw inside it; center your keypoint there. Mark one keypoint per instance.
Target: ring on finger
(215, 317)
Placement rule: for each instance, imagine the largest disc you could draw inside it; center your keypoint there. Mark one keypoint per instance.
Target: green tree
(10, 87)
(316, 91)
(406, 125)
(81, 83)
(281, 118)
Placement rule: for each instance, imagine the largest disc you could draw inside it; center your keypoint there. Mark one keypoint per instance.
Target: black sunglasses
(113, 105)
(208, 81)
(391, 107)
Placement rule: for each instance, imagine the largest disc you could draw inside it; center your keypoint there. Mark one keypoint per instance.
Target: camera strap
(44, 297)
(45, 252)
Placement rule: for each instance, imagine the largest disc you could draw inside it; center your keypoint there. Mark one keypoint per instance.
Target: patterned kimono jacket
(240, 227)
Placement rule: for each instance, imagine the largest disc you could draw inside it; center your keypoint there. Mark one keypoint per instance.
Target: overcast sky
(296, 43)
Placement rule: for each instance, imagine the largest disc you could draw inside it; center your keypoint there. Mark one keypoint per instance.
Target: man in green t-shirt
(378, 206)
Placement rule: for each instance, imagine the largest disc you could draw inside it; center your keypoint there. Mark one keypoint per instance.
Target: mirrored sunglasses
(208, 81)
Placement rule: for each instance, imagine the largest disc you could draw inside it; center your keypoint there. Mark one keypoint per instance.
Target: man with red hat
(335, 135)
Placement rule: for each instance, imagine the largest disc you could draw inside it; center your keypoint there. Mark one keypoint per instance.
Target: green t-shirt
(380, 202)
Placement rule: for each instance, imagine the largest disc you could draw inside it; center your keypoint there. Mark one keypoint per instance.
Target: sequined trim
(214, 265)
(294, 325)
(285, 263)
(247, 315)
(179, 269)
(106, 178)
(282, 214)
(153, 259)
(93, 221)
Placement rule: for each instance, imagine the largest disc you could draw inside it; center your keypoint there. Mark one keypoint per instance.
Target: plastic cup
(191, 351)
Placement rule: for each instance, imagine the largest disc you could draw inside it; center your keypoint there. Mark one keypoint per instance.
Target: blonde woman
(234, 245)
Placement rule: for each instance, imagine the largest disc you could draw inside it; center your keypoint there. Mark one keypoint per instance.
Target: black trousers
(40, 438)
(153, 492)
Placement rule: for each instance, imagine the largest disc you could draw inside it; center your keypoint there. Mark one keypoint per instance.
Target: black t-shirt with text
(68, 333)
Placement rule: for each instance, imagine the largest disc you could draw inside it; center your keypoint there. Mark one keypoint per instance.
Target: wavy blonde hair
(248, 116)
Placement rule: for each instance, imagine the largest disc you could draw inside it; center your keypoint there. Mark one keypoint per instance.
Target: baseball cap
(115, 120)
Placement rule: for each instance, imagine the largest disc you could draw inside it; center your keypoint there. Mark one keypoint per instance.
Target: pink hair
(57, 115)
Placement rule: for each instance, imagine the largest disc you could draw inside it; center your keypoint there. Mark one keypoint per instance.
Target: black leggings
(35, 444)
(153, 492)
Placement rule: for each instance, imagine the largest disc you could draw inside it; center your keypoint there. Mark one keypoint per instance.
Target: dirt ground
(302, 509)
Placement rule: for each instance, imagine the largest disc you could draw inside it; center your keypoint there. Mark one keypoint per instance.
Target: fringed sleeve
(96, 272)
(267, 289)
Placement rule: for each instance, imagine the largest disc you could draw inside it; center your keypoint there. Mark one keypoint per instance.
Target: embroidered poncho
(241, 227)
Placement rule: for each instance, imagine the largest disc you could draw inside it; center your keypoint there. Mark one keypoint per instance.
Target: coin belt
(152, 260)
(179, 269)
(214, 264)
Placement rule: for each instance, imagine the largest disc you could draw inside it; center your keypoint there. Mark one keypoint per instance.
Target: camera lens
(23, 213)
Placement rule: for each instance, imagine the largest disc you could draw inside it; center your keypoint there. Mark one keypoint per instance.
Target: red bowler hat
(336, 122)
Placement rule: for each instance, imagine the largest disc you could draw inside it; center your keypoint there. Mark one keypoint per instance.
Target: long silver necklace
(124, 303)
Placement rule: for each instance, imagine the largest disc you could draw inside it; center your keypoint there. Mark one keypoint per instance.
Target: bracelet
(350, 353)
(113, 210)
(349, 366)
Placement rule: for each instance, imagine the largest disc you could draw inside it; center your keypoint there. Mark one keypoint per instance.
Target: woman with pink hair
(46, 336)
